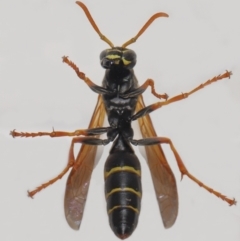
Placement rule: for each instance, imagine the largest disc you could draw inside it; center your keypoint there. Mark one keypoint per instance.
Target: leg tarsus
(96, 88)
(44, 185)
(51, 134)
(150, 82)
(29, 194)
(80, 132)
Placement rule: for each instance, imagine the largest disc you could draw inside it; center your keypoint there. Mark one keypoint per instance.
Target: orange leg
(70, 164)
(96, 88)
(71, 159)
(51, 134)
(157, 105)
(150, 82)
(80, 74)
(142, 88)
(182, 167)
(80, 132)
(185, 95)
(182, 96)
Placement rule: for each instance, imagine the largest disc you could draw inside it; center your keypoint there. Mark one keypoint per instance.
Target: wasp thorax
(118, 56)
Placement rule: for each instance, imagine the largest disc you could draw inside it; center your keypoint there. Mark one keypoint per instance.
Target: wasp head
(118, 56)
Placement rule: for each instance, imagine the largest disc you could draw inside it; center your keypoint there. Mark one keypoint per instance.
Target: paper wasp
(120, 98)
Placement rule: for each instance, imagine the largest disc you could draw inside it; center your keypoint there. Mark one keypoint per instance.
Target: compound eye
(103, 54)
(129, 58)
(104, 61)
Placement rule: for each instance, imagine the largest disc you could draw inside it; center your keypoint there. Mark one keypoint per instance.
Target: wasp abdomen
(123, 192)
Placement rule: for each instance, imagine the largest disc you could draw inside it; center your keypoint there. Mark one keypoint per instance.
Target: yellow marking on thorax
(127, 189)
(119, 206)
(122, 169)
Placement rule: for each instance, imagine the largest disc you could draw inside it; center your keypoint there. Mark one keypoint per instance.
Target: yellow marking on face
(122, 169)
(126, 189)
(113, 56)
(119, 206)
(126, 62)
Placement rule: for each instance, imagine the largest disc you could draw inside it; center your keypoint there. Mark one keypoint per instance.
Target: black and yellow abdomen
(123, 191)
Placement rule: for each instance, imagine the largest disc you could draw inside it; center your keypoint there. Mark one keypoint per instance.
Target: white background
(199, 40)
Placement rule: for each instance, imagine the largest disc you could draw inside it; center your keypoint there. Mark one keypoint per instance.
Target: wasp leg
(142, 88)
(96, 88)
(181, 166)
(83, 132)
(44, 185)
(182, 96)
(71, 159)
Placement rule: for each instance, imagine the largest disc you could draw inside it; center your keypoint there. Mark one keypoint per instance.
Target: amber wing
(162, 176)
(79, 178)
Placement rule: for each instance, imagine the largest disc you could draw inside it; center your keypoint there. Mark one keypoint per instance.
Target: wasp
(120, 99)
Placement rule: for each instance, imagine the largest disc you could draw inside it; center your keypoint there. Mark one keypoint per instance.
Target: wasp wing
(79, 178)
(162, 176)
